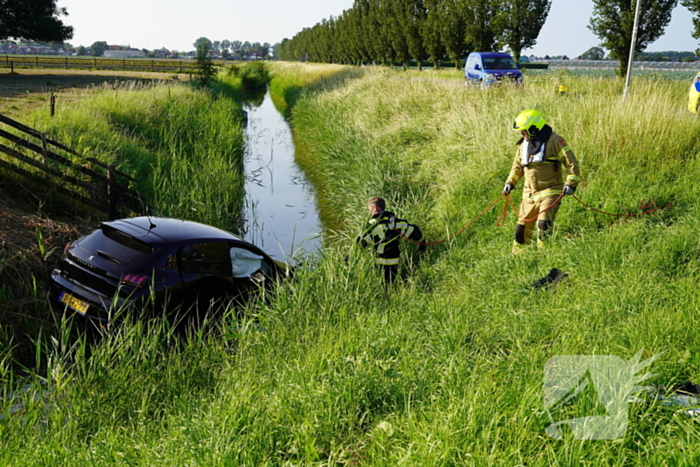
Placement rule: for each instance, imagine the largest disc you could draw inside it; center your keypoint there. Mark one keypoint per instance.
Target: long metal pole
(632, 47)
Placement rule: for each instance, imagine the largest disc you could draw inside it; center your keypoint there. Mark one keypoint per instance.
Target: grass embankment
(447, 368)
(458, 352)
(290, 83)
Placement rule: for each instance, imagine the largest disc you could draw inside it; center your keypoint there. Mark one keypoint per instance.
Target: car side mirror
(477, 67)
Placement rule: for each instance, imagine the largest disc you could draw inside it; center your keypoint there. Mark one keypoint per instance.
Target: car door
(472, 74)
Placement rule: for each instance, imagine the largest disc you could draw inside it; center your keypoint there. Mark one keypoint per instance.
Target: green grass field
(447, 367)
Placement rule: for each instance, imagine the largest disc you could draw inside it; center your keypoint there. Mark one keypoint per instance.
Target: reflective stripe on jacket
(546, 175)
(384, 232)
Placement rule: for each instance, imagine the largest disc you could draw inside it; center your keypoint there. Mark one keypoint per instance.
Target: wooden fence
(104, 188)
(93, 63)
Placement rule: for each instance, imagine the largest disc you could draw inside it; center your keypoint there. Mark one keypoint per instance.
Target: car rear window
(121, 246)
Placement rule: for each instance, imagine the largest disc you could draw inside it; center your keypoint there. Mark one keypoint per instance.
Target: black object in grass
(554, 277)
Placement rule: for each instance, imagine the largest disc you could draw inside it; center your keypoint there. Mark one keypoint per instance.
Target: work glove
(569, 190)
(508, 188)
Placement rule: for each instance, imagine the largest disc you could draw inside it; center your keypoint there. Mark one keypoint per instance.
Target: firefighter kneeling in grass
(384, 232)
(540, 156)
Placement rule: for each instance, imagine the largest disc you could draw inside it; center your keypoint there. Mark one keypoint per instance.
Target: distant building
(161, 53)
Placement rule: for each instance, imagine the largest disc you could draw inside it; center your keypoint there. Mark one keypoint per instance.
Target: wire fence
(98, 63)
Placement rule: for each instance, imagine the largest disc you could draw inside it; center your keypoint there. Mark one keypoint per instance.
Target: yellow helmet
(529, 120)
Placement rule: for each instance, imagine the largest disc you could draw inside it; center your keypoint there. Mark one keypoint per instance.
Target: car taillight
(65, 248)
(134, 280)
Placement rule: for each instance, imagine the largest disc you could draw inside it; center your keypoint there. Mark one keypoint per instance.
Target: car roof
(165, 230)
(491, 54)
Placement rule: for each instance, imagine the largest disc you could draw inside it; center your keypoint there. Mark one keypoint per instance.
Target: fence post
(112, 192)
(94, 60)
(37, 61)
(180, 66)
(66, 63)
(124, 63)
(52, 103)
(12, 67)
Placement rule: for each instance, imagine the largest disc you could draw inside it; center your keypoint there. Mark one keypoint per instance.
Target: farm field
(29, 89)
(445, 368)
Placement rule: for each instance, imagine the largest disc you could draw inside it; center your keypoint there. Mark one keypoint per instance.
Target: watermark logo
(598, 385)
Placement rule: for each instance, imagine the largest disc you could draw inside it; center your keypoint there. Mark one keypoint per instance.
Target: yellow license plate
(78, 305)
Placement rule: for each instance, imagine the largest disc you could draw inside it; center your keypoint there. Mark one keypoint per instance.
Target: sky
(176, 24)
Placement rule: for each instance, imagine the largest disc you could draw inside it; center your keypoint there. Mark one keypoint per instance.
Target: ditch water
(280, 208)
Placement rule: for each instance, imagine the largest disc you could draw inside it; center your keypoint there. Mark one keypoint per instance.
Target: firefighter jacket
(542, 170)
(384, 232)
(694, 95)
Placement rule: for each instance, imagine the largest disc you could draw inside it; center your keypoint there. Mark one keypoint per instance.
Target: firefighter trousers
(531, 214)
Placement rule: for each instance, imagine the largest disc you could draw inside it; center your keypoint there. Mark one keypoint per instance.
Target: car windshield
(126, 249)
(498, 63)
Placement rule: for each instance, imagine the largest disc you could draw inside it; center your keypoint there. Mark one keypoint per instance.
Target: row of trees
(400, 30)
(234, 50)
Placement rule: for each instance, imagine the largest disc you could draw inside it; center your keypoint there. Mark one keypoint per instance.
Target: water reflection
(280, 208)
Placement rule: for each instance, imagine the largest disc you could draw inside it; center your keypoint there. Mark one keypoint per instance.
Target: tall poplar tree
(433, 31)
(613, 21)
(479, 32)
(359, 20)
(394, 27)
(452, 14)
(519, 23)
(412, 20)
(379, 34)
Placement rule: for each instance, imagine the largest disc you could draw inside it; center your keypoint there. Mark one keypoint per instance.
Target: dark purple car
(136, 261)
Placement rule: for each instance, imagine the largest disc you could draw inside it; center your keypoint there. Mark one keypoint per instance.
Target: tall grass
(445, 368)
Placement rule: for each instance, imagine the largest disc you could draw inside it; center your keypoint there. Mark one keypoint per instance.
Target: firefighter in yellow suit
(694, 95)
(540, 157)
